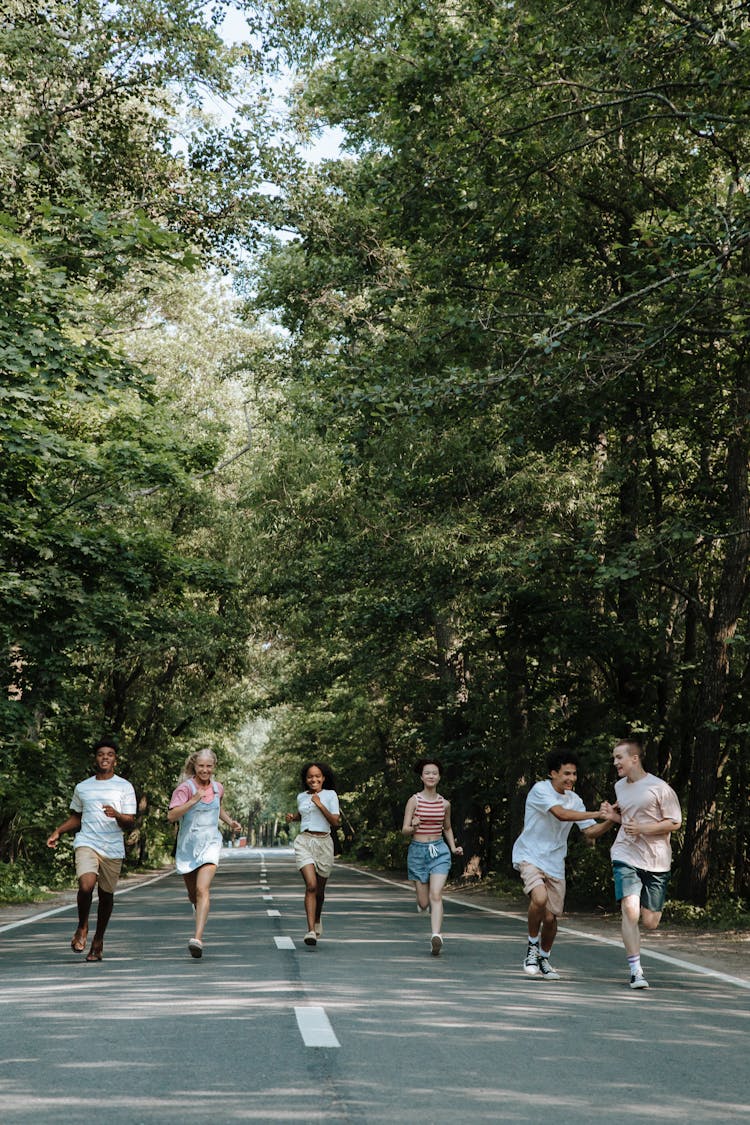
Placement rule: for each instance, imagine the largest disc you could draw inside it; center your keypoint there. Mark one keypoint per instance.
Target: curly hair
(328, 779)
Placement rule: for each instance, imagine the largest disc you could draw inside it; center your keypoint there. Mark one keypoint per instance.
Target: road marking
(690, 966)
(273, 913)
(284, 943)
(315, 1027)
(268, 898)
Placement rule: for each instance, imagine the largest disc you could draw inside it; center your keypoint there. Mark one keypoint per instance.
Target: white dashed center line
(315, 1027)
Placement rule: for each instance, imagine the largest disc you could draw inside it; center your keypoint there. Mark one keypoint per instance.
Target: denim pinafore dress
(199, 840)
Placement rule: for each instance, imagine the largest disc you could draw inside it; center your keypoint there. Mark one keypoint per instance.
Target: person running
(318, 813)
(552, 808)
(648, 812)
(196, 805)
(104, 806)
(427, 819)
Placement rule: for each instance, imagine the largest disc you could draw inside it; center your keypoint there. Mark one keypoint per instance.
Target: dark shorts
(423, 860)
(650, 886)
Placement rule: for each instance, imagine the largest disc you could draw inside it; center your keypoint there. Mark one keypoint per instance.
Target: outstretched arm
(72, 824)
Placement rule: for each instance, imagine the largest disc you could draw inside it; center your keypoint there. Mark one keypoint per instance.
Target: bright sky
(234, 29)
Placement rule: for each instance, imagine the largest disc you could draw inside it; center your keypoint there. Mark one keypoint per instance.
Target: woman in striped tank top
(427, 819)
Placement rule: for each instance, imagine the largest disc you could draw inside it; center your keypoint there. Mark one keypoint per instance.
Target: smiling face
(314, 779)
(430, 776)
(565, 778)
(106, 760)
(626, 762)
(205, 764)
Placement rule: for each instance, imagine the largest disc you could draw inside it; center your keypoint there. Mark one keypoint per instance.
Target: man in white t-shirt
(552, 808)
(103, 807)
(648, 812)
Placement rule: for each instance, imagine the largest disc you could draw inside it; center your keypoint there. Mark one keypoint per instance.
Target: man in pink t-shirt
(648, 811)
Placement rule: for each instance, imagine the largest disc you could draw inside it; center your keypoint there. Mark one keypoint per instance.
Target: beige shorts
(317, 850)
(533, 877)
(107, 871)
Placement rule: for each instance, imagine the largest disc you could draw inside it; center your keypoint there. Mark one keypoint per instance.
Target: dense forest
(438, 445)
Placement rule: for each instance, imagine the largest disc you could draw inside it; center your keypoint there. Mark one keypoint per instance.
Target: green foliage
(506, 493)
(123, 607)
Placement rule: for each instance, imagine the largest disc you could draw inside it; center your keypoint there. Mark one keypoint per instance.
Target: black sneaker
(531, 962)
(546, 969)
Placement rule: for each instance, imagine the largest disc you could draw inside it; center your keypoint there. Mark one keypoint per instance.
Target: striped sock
(635, 964)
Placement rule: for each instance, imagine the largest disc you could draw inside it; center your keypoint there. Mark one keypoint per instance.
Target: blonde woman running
(196, 805)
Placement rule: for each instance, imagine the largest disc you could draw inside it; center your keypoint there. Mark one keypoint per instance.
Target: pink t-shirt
(185, 792)
(644, 801)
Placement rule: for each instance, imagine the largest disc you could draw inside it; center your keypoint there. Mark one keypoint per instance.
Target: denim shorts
(423, 860)
(650, 886)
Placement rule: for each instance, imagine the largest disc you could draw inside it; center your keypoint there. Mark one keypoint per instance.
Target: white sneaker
(311, 938)
(436, 944)
(546, 969)
(318, 929)
(637, 980)
(531, 962)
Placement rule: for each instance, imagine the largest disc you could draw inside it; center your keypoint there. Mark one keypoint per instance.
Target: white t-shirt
(544, 840)
(311, 818)
(645, 801)
(99, 831)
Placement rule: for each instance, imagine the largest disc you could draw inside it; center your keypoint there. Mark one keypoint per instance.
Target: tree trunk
(710, 752)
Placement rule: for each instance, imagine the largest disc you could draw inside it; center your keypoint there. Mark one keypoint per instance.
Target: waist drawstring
(433, 850)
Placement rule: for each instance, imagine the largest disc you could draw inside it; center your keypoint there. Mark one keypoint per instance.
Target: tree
(539, 253)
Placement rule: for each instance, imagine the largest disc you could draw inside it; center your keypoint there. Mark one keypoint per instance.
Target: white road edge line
(701, 970)
(315, 1027)
(72, 905)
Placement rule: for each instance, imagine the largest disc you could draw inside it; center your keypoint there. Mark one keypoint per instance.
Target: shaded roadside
(17, 911)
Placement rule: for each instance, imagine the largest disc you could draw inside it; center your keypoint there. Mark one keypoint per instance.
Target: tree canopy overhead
(496, 493)
(518, 317)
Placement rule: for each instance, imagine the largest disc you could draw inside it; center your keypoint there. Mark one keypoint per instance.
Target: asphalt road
(366, 1028)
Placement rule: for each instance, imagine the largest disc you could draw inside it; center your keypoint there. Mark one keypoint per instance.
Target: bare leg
(189, 880)
(437, 882)
(103, 915)
(320, 895)
(423, 895)
(630, 909)
(537, 909)
(311, 893)
(650, 918)
(86, 884)
(203, 880)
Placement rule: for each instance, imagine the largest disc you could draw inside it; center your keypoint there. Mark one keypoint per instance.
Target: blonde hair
(188, 770)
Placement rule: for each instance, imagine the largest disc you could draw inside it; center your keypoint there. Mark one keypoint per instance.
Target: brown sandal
(94, 954)
(78, 942)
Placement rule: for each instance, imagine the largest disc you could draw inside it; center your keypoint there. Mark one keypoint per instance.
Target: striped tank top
(431, 815)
